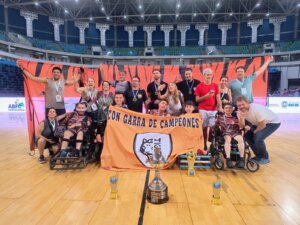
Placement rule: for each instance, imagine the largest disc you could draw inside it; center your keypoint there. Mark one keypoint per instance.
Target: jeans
(257, 141)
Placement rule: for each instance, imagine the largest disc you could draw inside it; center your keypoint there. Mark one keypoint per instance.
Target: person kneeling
(77, 124)
(229, 125)
(46, 138)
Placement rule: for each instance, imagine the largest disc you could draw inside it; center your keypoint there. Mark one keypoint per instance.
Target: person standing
(136, 97)
(54, 92)
(188, 86)
(89, 95)
(225, 92)
(154, 87)
(242, 85)
(121, 85)
(208, 99)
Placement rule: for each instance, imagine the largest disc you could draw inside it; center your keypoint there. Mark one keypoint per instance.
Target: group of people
(162, 99)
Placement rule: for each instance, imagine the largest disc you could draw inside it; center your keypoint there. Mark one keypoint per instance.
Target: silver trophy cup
(157, 192)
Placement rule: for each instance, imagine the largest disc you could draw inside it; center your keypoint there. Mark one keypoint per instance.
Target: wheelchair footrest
(68, 163)
(201, 162)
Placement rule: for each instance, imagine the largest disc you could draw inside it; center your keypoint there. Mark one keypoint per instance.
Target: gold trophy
(216, 199)
(114, 187)
(191, 158)
(157, 192)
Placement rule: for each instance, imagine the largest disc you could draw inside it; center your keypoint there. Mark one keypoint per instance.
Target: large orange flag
(131, 137)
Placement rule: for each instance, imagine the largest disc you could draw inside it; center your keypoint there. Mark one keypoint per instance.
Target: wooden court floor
(32, 194)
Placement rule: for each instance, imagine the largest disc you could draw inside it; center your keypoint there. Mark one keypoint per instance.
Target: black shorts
(48, 145)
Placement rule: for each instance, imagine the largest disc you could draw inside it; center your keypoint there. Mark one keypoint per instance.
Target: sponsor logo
(286, 104)
(145, 143)
(17, 106)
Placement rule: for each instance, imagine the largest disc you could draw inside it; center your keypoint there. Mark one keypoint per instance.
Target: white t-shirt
(258, 113)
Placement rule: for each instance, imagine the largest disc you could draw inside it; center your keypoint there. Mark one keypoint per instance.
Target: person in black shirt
(188, 86)
(46, 138)
(154, 87)
(136, 97)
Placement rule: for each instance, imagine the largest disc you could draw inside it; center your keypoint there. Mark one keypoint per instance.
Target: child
(230, 128)
(189, 108)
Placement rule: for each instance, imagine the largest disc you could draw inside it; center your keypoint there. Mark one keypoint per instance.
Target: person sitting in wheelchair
(77, 124)
(230, 128)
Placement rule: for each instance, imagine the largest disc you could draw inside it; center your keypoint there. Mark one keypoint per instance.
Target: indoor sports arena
(149, 112)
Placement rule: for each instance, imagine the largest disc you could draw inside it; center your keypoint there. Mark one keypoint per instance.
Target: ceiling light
(178, 5)
(36, 3)
(142, 15)
(218, 4)
(102, 8)
(125, 17)
(140, 7)
(249, 14)
(257, 4)
(108, 18)
(230, 14)
(66, 11)
(195, 14)
(91, 18)
(268, 14)
(213, 14)
(159, 15)
(56, 2)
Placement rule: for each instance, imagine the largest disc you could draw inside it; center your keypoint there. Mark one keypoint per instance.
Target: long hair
(175, 94)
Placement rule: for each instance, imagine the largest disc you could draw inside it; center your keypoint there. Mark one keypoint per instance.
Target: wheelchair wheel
(252, 165)
(218, 162)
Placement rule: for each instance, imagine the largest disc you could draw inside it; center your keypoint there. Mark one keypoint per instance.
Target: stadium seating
(158, 51)
(180, 51)
(241, 49)
(75, 48)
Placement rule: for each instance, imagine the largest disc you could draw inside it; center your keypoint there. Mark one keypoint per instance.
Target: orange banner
(130, 138)
(35, 96)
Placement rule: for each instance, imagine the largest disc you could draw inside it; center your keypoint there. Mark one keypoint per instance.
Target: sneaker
(241, 163)
(229, 163)
(63, 154)
(77, 153)
(42, 159)
(256, 158)
(263, 161)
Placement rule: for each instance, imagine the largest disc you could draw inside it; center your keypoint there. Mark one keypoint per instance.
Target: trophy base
(191, 172)
(157, 196)
(216, 201)
(114, 195)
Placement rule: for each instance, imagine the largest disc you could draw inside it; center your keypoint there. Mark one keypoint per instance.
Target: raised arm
(264, 67)
(58, 118)
(160, 96)
(104, 78)
(31, 77)
(78, 89)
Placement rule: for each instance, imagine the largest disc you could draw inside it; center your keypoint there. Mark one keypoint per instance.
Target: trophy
(191, 158)
(157, 192)
(114, 188)
(216, 200)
